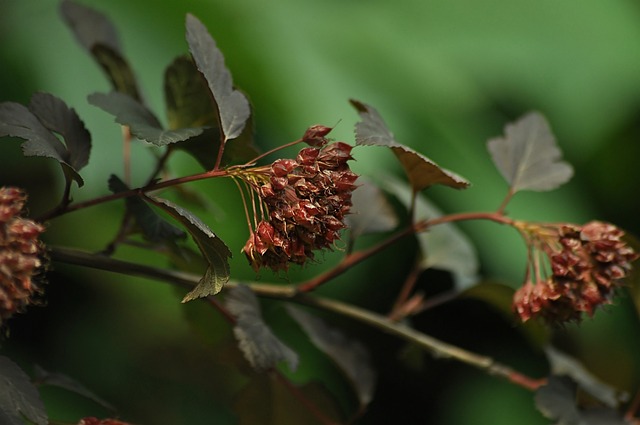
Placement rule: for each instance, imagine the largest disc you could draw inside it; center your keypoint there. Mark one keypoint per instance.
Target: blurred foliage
(446, 75)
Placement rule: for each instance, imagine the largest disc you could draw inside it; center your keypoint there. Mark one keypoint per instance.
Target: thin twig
(289, 293)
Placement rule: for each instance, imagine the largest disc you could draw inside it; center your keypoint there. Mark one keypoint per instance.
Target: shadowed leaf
(371, 212)
(63, 381)
(421, 171)
(187, 96)
(257, 342)
(95, 32)
(351, 356)
(528, 157)
(117, 69)
(215, 252)
(55, 115)
(557, 401)
(142, 123)
(19, 397)
(232, 105)
(17, 121)
(153, 227)
(563, 364)
(89, 26)
(444, 246)
(266, 400)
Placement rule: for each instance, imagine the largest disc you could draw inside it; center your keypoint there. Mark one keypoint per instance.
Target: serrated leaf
(56, 116)
(95, 32)
(371, 211)
(140, 120)
(232, 105)
(257, 342)
(444, 246)
(154, 227)
(563, 364)
(266, 400)
(17, 121)
(528, 157)
(19, 397)
(421, 171)
(351, 356)
(214, 251)
(63, 381)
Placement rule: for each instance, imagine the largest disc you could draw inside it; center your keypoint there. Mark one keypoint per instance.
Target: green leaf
(153, 226)
(214, 251)
(421, 171)
(55, 115)
(267, 400)
(95, 32)
(350, 355)
(19, 397)
(257, 342)
(63, 381)
(17, 121)
(233, 106)
(528, 156)
(371, 211)
(444, 246)
(142, 123)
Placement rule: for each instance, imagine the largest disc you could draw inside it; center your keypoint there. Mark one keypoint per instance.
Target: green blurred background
(446, 76)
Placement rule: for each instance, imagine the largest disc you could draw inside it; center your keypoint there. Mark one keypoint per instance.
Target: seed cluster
(587, 265)
(20, 253)
(306, 200)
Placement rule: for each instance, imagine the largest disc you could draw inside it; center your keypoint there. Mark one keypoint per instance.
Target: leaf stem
(290, 293)
(132, 192)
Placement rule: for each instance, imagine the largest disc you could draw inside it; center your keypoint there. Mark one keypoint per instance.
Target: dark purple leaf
(557, 400)
(443, 247)
(421, 171)
(17, 121)
(371, 211)
(350, 355)
(63, 381)
(55, 115)
(233, 107)
(267, 400)
(257, 342)
(153, 226)
(528, 156)
(19, 398)
(95, 32)
(142, 123)
(89, 26)
(563, 364)
(214, 251)
(117, 69)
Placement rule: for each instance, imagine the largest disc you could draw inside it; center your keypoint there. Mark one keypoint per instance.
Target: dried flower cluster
(304, 203)
(587, 264)
(20, 253)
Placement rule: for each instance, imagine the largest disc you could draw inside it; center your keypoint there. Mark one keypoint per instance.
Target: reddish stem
(310, 406)
(133, 192)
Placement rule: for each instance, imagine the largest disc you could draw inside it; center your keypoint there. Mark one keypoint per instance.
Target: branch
(289, 293)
